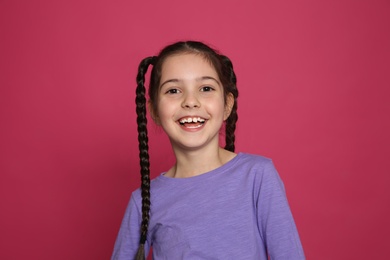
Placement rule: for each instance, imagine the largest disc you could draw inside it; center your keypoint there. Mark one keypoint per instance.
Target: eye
(206, 89)
(172, 91)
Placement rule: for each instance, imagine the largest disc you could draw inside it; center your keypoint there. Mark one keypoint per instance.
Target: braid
(140, 101)
(233, 117)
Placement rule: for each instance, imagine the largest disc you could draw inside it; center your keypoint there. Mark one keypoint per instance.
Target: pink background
(314, 80)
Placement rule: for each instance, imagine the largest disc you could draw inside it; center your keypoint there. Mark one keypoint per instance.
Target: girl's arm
(127, 242)
(275, 221)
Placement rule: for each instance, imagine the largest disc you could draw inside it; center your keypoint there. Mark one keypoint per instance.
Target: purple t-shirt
(237, 211)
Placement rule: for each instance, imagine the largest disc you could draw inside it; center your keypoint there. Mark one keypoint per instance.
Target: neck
(193, 163)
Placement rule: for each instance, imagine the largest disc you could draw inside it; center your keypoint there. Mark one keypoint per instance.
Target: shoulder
(260, 167)
(157, 185)
(254, 161)
(253, 158)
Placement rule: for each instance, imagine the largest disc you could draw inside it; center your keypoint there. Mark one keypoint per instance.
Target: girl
(213, 203)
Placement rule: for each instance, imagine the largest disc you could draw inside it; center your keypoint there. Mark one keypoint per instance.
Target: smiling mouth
(192, 122)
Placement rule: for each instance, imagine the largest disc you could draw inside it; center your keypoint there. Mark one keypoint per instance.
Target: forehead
(186, 66)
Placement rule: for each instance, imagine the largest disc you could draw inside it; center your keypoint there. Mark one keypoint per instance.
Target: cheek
(164, 110)
(218, 108)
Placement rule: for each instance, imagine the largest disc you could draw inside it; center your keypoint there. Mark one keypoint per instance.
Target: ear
(152, 113)
(229, 105)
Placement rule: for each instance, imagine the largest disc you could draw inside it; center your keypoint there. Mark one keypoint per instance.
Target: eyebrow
(197, 79)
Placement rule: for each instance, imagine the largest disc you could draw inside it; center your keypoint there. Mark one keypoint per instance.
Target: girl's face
(191, 105)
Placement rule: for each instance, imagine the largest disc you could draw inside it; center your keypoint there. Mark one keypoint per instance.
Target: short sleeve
(274, 217)
(127, 241)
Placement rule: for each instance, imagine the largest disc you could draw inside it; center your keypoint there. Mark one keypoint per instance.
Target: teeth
(192, 119)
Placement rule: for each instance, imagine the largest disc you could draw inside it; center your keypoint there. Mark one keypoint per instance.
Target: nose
(190, 101)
